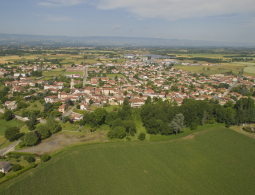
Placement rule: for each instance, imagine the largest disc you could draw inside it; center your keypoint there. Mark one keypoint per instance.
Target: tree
(142, 136)
(91, 101)
(204, 118)
(125, 93)
(99, 116)
(67, 90)
(78, 106)
(130, 127)
(30, 139)
(31, 122)
(53, 126)
(117, 132)
(43, 131)
(120, 132)
(12, 133)
(148, 100)
(8, 115)
(45, 157)
(177, 123)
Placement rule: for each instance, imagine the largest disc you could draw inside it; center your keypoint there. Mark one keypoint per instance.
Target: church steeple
(72, 82)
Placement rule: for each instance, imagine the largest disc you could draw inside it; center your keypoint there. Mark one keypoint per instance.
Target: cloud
(179, 9)
(56, 3)
(167, 9)
(116, 27)
(57, 18)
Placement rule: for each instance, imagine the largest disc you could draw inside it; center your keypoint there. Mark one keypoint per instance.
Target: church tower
(72, 82)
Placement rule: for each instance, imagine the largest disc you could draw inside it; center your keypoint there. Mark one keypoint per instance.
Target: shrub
(16, 167)
(2, 174)
(128, 138)
(142, 136)
(21, 144)
(30, 159)
(33, 165)
(16, 156)
(193, 126)
(45, 157)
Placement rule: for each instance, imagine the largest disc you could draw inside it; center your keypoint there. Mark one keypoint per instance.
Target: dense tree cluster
(161, 117)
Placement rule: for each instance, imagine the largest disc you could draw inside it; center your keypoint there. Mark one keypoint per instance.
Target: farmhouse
(5, 166)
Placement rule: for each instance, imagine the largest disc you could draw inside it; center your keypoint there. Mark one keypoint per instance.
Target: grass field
(51, 73)
(78, 72)
(250, 69)
(214, 161)
(13, 123)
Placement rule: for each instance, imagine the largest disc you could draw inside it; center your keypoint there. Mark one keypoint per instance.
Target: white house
(5, 166)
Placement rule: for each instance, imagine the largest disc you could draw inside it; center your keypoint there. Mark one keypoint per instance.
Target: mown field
(214, 161)
(250, 69)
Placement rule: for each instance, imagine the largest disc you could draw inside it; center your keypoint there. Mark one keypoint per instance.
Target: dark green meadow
(214, 161)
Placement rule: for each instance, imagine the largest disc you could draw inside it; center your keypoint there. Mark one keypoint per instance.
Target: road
(235, 83)
(69, 112)
(9, 148)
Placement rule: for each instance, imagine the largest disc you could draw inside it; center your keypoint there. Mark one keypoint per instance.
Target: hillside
(214, 161)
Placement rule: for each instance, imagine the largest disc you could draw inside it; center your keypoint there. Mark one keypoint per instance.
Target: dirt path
(62, 140)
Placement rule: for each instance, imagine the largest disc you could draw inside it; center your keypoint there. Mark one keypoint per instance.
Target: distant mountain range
(23, 39)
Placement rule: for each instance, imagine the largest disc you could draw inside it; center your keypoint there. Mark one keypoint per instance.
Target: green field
(250, 69)
(13, 123)
(213, 69)
(52, 73)
(78, 72)
(214, 161)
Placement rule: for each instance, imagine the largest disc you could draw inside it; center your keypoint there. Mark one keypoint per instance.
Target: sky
(210, 20)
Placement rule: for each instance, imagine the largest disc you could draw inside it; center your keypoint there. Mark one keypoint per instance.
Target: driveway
(9, 148)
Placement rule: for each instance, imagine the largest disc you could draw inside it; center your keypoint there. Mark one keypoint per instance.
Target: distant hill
(16, 39)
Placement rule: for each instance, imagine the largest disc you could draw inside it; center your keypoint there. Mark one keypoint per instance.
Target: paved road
(235, 83)
(9, 148)
(69, 112)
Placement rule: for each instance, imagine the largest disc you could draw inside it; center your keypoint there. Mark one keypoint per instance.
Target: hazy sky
(214, 20)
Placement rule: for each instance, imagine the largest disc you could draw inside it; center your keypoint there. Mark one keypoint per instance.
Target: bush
(142, 136)
(30, 159)
(45, 157)
(128, 138)
(2, 174)
(16, 156)
(21, 144)
(193, 126)
(33, 165)
(16, 167)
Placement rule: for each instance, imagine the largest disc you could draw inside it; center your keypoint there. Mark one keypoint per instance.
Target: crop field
(214, 161)
(213, 69)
